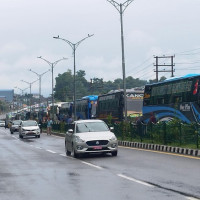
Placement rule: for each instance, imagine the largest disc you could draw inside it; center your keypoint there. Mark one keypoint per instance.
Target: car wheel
(114, 153)
(68, 153)
(38, 136)
(11, 132)
(74, 154)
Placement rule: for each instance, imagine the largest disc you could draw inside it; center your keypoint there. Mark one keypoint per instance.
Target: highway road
(38, 169)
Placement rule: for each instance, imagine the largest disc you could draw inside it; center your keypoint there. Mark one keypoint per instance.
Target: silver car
(29, 128)
(2, 123)
(15, 126)
(90, 136)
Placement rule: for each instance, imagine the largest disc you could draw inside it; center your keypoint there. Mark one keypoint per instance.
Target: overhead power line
(179, 53)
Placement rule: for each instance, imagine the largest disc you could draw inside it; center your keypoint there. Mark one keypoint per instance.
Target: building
(7, 95)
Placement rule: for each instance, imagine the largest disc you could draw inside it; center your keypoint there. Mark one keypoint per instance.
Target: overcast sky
(151, 27)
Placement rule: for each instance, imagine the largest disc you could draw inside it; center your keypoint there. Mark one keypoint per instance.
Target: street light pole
(74, 47)
(22, 93)
(30, 84)
(52, 65)
(40, 77)
(121, 8)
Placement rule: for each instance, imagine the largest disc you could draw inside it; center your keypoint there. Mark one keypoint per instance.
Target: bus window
(177, 99)
(160, 101)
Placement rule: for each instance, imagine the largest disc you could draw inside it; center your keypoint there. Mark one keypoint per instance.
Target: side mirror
(70, 131)
(111, 128)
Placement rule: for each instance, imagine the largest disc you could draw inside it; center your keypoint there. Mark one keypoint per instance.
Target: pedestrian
(49, 126)
(70, 120)
(40, 124)
(153, 118)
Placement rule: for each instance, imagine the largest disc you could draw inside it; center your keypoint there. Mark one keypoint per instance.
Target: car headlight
(113, 138)
(78, 139)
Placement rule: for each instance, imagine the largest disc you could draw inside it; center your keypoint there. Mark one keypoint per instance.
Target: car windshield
(16, 122)
(91, 127)
(29, 123)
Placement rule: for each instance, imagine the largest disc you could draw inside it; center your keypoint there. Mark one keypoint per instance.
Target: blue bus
(86, 107)
(173, 98)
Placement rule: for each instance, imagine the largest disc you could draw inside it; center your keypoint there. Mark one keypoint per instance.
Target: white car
(2, 123)
(15, 126)
(29, 128)
(90, 136)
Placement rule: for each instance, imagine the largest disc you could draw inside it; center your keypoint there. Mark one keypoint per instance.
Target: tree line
(64, 87)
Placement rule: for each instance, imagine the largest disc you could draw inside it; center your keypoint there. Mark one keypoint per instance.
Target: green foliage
(64, 87)
(4, 107)
(173, 133)
(109, 120)
(162, 78)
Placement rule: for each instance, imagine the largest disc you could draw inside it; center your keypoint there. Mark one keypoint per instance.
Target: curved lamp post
(121, 7)
(52, 65)
(30, 85)
(74, 47)
(40, 77)
(22, 92)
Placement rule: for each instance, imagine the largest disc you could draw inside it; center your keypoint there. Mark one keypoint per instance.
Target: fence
(174, 134)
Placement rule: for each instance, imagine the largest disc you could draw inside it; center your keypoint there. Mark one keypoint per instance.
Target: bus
(173, 98)
(112, 104)
(86, 107)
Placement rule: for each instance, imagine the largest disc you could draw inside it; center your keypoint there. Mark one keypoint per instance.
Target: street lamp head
(90, 35)
(39, 57)
(56, 37)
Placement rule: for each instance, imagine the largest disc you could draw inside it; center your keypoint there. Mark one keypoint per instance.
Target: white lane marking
(38, 147)
(15, 137)
(98, 167)
(50, 151)
(134, 180)
(64, 155)
(191, 198)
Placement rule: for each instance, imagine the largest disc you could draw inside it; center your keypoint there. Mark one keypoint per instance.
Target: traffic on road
(38, 168)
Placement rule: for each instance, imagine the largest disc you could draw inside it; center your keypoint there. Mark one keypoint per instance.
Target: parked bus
(173, 98)
(86, 107)
(112, 104)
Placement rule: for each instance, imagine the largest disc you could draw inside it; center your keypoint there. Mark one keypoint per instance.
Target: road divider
(164, 148)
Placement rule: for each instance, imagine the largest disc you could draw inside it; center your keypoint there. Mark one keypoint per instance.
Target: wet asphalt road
(38, 169)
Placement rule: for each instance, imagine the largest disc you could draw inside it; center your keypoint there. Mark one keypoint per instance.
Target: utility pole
(164, 65)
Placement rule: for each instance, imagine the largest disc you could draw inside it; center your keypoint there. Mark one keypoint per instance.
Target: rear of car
(15, 126)
(2, 123)
(29, 128)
